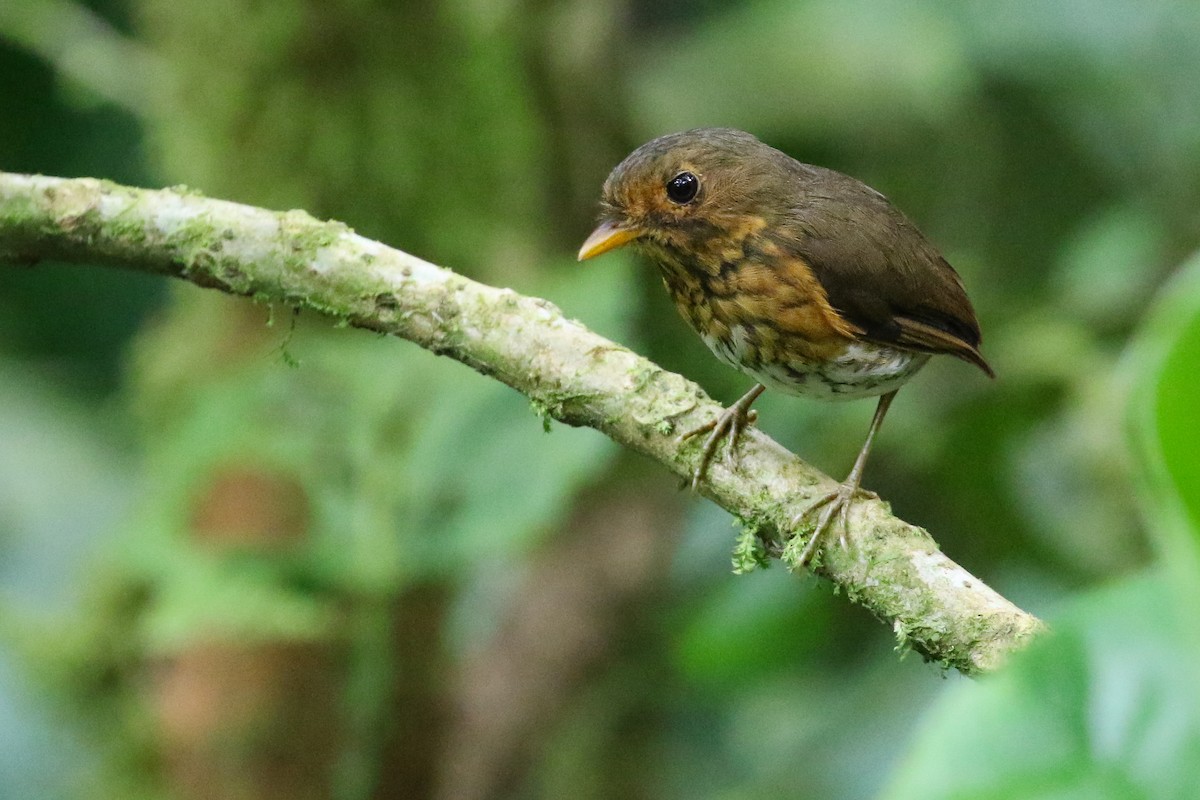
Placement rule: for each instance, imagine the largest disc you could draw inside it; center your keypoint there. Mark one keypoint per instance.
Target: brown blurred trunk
(245, 721)
(577, 610)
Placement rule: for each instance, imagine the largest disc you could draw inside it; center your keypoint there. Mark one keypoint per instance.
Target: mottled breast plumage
(767, 316)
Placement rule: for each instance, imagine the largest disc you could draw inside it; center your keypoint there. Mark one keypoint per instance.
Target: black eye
(683, 187)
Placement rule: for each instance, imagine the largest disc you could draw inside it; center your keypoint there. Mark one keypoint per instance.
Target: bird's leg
(838, 501)
(731, 421)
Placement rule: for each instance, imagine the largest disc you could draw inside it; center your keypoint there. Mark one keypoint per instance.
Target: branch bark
(569, 373)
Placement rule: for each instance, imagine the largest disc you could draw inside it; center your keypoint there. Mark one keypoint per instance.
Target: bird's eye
(683, 187)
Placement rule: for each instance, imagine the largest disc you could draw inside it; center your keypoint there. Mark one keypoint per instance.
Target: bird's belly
(861, 369)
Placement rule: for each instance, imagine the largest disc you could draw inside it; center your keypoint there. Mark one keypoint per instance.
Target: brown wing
(924, 336)
(879, 271)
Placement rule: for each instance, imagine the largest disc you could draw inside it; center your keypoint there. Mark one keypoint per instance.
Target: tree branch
(569, 373)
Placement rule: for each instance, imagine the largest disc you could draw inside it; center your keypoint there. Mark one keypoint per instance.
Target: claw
(730, 423)
(838, 501)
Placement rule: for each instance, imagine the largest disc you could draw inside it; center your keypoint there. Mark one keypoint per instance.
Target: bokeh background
(245, 554)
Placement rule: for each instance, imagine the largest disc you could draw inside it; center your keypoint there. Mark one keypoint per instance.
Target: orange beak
(608, 236)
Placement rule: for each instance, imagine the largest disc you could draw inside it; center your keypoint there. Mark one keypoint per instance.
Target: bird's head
(691, 193)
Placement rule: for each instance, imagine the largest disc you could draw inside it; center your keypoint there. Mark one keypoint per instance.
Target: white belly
(863, 370)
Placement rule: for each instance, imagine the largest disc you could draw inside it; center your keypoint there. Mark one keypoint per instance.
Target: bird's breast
(776, 325)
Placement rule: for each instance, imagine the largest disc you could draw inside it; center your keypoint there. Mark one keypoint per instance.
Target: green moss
(339, 314)
(568, 407)
(903, 643)
(285, 355)
(129, 231)
(17, 212)
(749, 553)
(192, 245)
(543, 411)
(306, 234)
(795, 546)
(303, 237)
(196, 231)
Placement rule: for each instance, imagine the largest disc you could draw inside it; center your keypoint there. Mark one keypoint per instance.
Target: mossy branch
(569, 373)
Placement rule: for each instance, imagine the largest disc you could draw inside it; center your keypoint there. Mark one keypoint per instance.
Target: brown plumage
(806, 279)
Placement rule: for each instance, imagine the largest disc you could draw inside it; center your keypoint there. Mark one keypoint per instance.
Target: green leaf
(1165, 361)
(1169, 432)
(1106, 707)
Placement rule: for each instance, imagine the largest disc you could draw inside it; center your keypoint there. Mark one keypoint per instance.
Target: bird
(805, 279)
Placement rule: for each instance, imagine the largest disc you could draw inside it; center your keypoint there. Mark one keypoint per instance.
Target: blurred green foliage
(1108, 705)
(1051, 149)
(1105, 708)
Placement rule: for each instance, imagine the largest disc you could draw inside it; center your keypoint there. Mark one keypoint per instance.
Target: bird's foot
(729, 423)
(835, 504)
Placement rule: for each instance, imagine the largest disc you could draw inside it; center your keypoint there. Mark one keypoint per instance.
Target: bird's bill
(608, 236)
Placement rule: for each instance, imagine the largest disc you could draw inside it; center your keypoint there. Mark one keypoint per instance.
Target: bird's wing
(883, 276)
